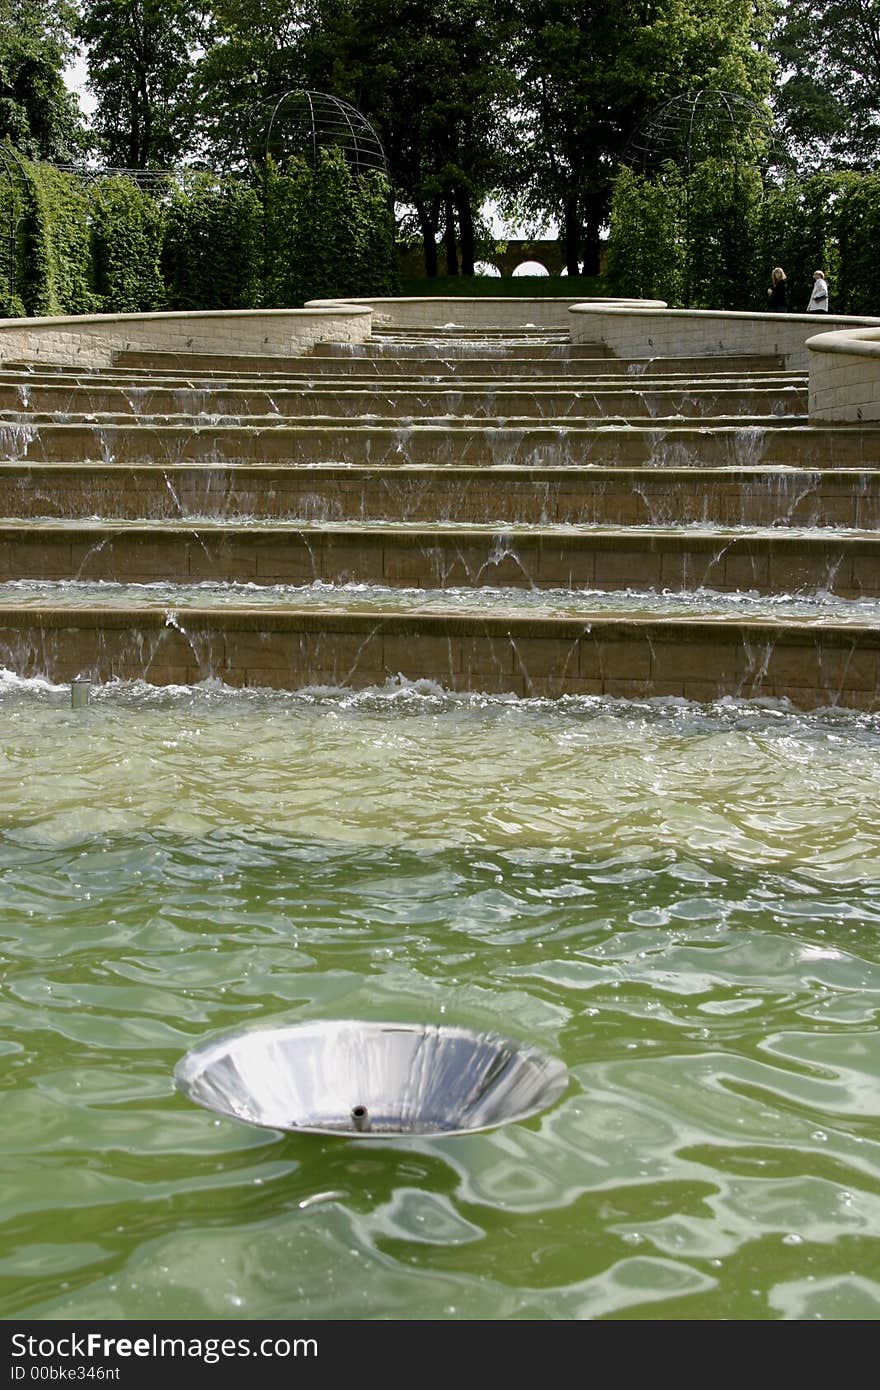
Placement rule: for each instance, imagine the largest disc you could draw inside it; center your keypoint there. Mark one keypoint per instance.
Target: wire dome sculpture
(709, 124)
(298, 124)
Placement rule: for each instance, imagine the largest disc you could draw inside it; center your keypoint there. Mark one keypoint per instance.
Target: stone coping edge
(645, 307)
(93, 340)
(860, 341)
(845, 376)
(702, 627)
(318, 310)
(599, 300)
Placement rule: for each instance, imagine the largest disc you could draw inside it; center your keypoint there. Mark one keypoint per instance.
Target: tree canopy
(590, 73)
(38, 114)
(533, 106)
(828, 94)
(141, 72)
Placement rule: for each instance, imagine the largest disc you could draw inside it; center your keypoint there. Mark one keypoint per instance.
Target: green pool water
(680, 902)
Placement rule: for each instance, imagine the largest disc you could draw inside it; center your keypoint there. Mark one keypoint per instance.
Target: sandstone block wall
(640, 331)
(93, 340)
(427, 312)
(845, 375)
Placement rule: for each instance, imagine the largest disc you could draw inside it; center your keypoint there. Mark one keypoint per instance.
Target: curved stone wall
(92, 340)
(639, 330)
(845, 375)
(459, 311)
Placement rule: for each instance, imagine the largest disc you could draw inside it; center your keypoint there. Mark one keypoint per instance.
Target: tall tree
(255, 52)
(37, 112)
(437, 83)
(140, 63)
(829, 90)
(589, 74)
(431, 79)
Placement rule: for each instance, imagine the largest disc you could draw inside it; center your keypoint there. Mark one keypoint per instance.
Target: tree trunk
(449, 238)
(592, 222)
(465, 230)
(143, 140)
(428, 229)
(133, 134)
(571, 236)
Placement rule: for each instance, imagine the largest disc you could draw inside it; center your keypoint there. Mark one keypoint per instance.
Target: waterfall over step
(498, 511)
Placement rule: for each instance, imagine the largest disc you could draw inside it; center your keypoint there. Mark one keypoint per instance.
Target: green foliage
(126, 247)
(11, 210)
(721, 211)
(829, 103)
(289, 270)
(858, 235)
(711, 240)
(799, 231)
(378, 271)
(591, 74)
(140, 68)
(645, 251)
(213, 244)
(67, 232)
(37, 113)
(435, 81)
(328, 233)
(35, 269)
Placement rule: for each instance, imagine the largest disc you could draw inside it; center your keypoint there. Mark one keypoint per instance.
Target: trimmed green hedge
(212, 246)
(203, 242)
(126, 243)
(328, 234)
(646, 254)
(69, 288)
(711, 240)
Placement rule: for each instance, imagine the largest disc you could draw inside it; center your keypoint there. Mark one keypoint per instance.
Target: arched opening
(531, 268)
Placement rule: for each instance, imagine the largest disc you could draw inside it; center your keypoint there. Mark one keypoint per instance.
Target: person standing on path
(819, 298)
(777, 294)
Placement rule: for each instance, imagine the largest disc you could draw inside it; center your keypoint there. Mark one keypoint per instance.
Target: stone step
(510, 495)
(458, 333)
(69, 400)
(136, 381)
(182, 363)
(534, 472)
(813, 664)
(450, 444)
(845, 563)
(465, 349)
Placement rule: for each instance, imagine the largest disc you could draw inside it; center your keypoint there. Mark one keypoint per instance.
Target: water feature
(678, 901)
(346, 1076)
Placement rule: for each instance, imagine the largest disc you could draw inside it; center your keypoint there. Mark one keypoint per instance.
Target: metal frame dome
(708, 124)
(300, 123)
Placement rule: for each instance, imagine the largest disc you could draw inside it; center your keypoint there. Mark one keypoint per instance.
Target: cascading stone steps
(514, 465)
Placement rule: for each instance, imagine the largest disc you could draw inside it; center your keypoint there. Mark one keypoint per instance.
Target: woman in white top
(819, 298)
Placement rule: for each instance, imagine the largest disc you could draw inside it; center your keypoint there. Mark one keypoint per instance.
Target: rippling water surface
(819, 606)
(681, 902)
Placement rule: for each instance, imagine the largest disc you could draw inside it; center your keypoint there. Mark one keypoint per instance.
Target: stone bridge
(508, 254)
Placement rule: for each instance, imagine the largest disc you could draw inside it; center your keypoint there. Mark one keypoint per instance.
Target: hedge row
(202, 242)
(710, 241)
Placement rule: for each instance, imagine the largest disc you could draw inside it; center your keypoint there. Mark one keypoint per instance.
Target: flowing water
(681, 902)
(818, 606)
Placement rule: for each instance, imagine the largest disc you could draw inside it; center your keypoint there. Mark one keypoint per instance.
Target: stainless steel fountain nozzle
(79, 692)
(410, 1078)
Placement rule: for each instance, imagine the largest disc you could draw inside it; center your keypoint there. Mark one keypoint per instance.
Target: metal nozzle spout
(360, 1118)
(79, 692)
